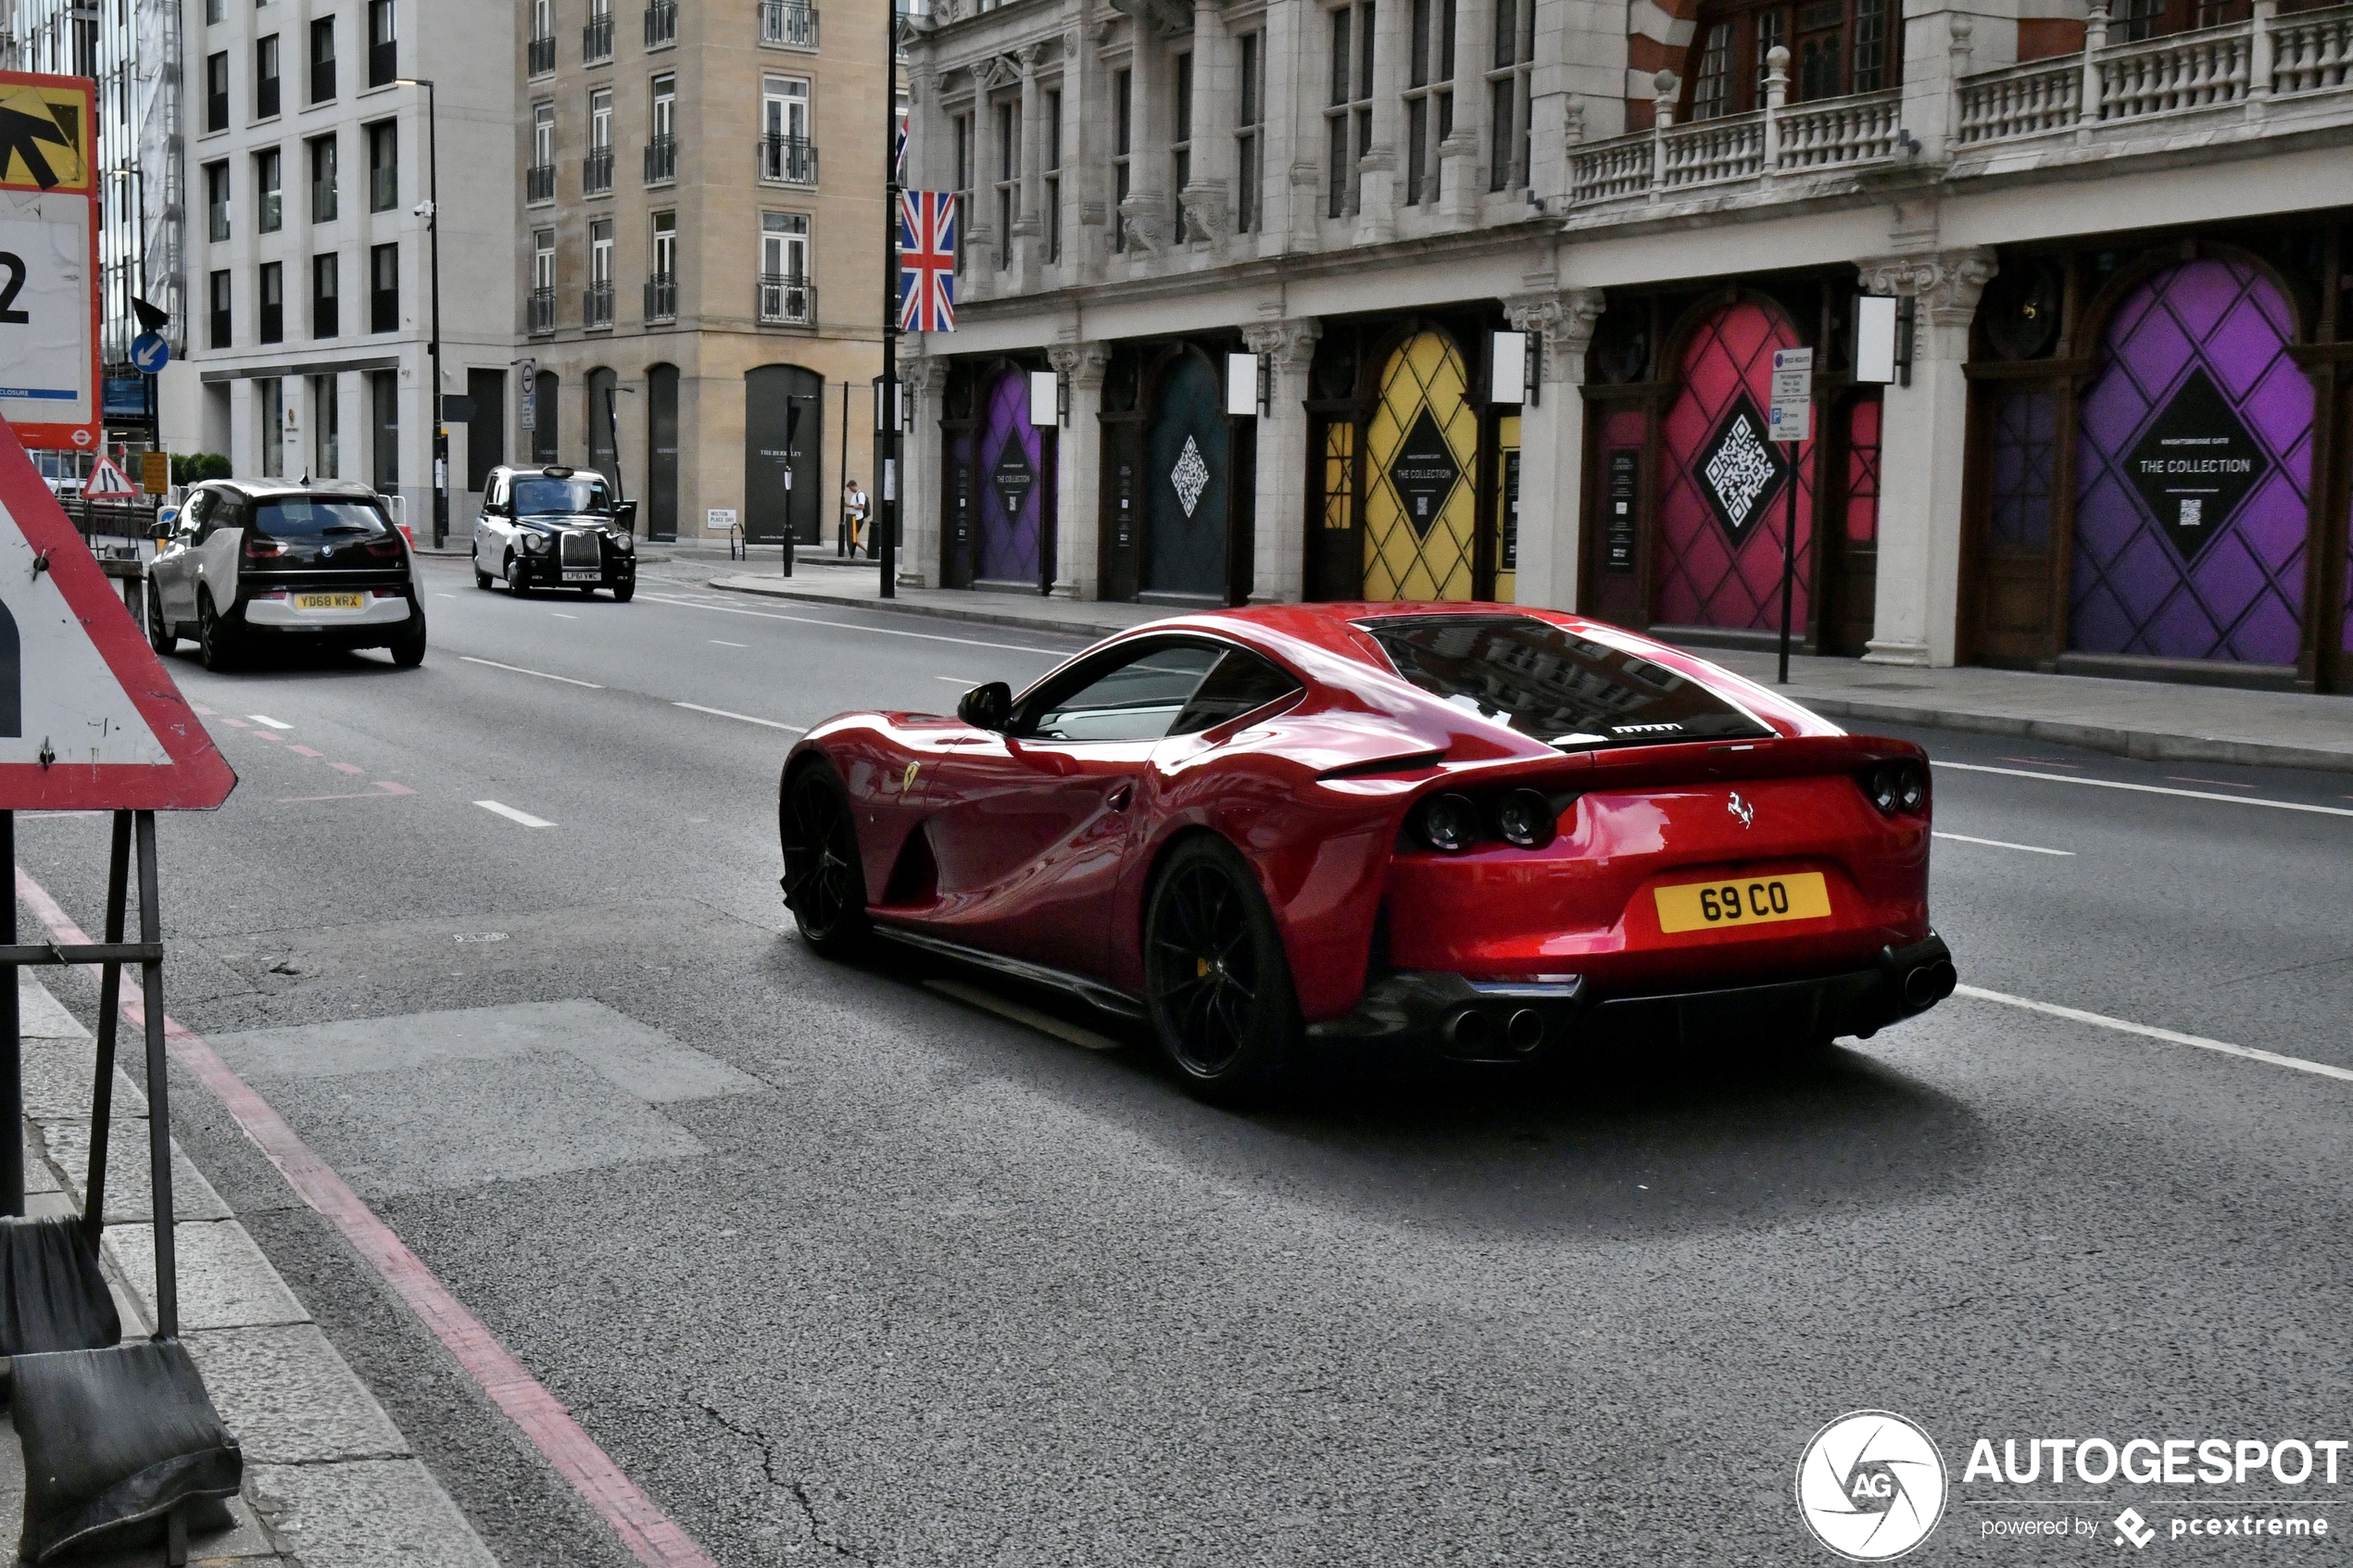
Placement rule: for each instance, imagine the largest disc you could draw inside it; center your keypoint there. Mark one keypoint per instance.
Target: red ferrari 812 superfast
(1507, 833)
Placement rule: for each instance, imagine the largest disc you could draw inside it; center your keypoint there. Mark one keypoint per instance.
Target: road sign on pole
(149, 353)
(49, 260)
(89, 720)
(1791, 419)
(108, 482)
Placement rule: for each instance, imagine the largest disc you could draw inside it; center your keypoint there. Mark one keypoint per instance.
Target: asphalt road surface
(840, 1265)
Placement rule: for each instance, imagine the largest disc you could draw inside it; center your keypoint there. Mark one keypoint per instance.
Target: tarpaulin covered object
(115, 1438)
(52, 1296)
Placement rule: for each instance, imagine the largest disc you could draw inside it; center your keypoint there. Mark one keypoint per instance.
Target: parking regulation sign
(89, 719)
(48, 261)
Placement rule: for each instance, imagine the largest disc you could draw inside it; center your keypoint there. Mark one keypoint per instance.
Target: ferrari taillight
(1897, 789)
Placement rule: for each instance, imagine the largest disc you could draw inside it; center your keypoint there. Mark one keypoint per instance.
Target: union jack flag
(927, 261)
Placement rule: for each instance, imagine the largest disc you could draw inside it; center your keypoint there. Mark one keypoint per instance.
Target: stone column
(1279, 563)
(1078, 487)
(1029, 230)
(1381, 166)
(1462, 161)
(1209, 213)
(1923, 437)
(1551, 443)
(1279, 42)
(1145, 213)
(919, 448)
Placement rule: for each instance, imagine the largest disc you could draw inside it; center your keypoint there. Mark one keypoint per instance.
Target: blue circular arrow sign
(149, 353)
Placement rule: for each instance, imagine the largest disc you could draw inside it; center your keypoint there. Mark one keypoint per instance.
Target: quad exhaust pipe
(1928, 984)
(1472, 1033)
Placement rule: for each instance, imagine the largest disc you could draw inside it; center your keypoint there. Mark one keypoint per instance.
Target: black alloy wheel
(515, 584)
(408, 649)
(216, 645)
(824, 881)
(1218, 984)
(159, 635)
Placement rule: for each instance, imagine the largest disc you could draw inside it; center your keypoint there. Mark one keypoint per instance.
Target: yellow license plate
(327, 601)
(1754, 900)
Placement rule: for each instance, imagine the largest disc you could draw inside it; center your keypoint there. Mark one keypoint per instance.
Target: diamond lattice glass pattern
(1429, 558)
(1008, 551)
(1190, 476)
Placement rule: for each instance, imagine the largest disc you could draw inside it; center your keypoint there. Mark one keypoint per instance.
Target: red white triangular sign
(107, 483)
(89, 720)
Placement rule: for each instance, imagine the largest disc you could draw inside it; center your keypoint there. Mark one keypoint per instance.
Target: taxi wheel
(515, 584)
(216, 645)
(622, 593)
(1217, 983)
(159, 637)
(824, 881)
(482, 578)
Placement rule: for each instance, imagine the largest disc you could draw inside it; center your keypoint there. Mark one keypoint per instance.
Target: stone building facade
(699, 254)
(2120, 439)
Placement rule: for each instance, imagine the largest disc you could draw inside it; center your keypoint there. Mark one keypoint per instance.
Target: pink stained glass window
(1862, 469)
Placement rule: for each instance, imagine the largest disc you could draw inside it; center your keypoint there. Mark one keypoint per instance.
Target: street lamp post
(886, 502)
(432, 210)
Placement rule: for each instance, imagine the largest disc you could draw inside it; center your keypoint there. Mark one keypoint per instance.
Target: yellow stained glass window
(1421, 502)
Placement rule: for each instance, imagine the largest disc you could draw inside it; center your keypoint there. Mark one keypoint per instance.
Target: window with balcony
(326, 295)
(322, 60)
(596, 38)
(1180, 147)
(384, 166)
(1429, 95)
(269, 298)
(322, 178)
(597, 305)
(1836, 47)
(1123, 173)
(541, 306)
(216, 92)
(1249, 131)
(269, 198)
(783, 24)
(383, 42)
(1514, 63)
(1348, 113)
(217, 294)
(786, 154)
(661, 281)
(542, 43)
(787, 297)
(216, 201)
(661, 24)
(661, 146)
(384, 288)
(595, 169)
(1053, 193)
(265, 78)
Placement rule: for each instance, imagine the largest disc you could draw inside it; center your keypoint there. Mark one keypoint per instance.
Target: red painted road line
(652, 1535)
(305, 751)
(385, 789)
(346, 767)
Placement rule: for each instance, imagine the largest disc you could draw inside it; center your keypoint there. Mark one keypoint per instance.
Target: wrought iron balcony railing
(787, 299)
(539, 184)
(661, 298)
(661, 159)
(596, 171)
(790, 160)
(595, 40)
(542, 56)
(539, 311)
(661, 23)
(792, 26)
(596, 306)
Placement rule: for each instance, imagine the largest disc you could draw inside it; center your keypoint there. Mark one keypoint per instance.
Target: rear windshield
(538, 495)
(1547, 681)
(300, 520)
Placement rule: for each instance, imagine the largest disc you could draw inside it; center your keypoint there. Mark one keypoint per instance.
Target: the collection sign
(1425, 473)
(2196, 464)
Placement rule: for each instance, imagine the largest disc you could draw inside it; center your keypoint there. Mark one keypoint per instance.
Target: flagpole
(887, 504)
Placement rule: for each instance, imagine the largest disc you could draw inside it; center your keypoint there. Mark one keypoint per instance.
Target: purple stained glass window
(2025, 470)
(1010, 476)
(2194, 462)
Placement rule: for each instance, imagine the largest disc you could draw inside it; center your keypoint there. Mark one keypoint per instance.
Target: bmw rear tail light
(385, 548)
(1897, 789)
(258, 548)
(1448, 824)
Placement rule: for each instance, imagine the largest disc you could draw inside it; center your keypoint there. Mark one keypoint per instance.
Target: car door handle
(1121, 794)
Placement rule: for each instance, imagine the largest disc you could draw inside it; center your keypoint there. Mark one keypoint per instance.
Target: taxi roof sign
(89, 719)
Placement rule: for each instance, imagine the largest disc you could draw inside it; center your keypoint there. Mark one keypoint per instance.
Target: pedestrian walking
(854, 508)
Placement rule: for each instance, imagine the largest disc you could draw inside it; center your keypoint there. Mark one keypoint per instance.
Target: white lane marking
(746, 718)
(445, 596)
(525, 817)
(847, 626)
(1044, 1023)
(2171, 1036)
(273, 723)
(959, 680)
(716, 643)
(519, 669)
(2003, 843)
(2148, 789)
(561, 615)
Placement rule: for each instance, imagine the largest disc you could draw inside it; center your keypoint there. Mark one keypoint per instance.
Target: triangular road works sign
(107, 483)
(89, 720)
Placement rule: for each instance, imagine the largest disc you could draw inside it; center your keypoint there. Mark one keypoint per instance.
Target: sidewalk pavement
(328, 1481)
(2150, 720)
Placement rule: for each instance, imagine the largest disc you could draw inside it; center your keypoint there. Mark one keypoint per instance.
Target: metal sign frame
(79, 185)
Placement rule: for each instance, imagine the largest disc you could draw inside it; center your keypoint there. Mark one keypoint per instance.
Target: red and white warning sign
(107, 483)
(89, 719)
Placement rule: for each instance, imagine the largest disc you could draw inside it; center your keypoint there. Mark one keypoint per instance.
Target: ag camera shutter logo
(1871, 1485)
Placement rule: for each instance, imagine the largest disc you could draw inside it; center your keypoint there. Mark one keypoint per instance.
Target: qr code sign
(2193, 512)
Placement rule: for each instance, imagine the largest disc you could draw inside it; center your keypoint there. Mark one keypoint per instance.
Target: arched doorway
(1724, 496)
(1421, 499)
(2192, 482)
(546, 425)
(1189, 480)
(603, 416)
(1013, 476)
(661, 452)
(784, 446)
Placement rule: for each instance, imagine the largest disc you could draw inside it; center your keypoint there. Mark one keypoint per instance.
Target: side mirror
(986, 707)
(625, 513)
